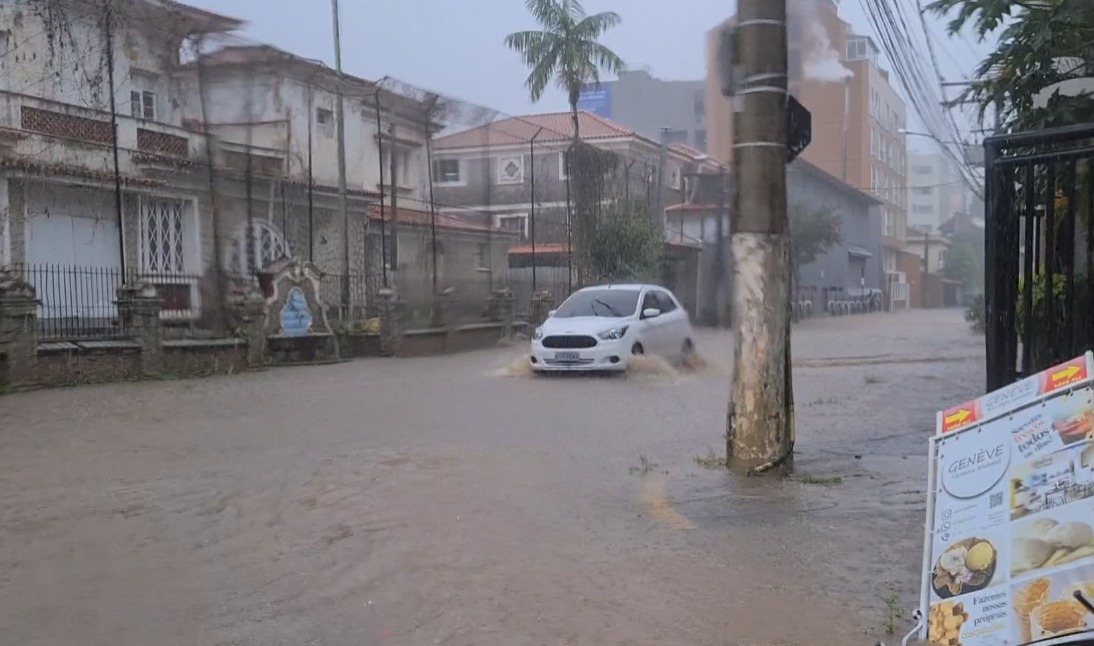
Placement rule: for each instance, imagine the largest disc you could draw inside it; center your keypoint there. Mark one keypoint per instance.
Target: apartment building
(858, 116)
(935, 191)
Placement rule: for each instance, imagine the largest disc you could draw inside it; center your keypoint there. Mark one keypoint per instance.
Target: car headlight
(538, 334)
(613, 333)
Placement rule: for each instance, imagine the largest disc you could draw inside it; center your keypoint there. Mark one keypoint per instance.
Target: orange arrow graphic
(958, 417)
(1066, 373)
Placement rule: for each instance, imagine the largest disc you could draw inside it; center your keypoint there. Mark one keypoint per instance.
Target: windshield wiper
(610, 309)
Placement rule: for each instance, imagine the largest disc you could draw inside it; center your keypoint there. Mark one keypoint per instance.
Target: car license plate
(567, 356)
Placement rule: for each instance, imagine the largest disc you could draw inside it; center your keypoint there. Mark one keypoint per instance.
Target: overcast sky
(455, 46)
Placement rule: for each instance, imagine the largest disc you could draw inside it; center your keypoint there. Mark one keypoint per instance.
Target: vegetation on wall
(590, 171)
(626, 245)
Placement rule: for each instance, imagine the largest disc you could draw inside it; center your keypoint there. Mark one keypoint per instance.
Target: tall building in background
(647, 104)
(857, 115)
(935, 192)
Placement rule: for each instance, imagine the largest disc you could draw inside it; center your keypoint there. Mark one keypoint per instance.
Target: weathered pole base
(758, 432)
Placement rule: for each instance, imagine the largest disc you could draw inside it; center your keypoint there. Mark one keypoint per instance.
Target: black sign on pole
(799, 128)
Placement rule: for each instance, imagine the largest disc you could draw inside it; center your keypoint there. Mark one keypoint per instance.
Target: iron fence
(81, 302)
(1039, 250)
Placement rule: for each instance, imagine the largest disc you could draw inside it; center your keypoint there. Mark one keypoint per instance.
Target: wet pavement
(458, 500)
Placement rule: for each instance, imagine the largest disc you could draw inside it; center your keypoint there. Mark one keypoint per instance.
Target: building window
(446, 171)
(514, 223)
(563, 165)
(142, 104)
(922, 209)
(253, 248)
(511, 169)
(482, 256)
(163, 235)
(890, 224)
(324, 122)
(856, 49)
(922, 170)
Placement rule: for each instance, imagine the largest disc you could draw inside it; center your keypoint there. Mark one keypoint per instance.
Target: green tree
(626, 245)
(567, 50)
(813, 231)
(965, 264)
(1032, 35)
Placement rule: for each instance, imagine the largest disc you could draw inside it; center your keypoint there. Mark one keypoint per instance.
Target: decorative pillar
(247, 316)
(18, 330)
(139, 308)
(391, 322)
(501, 309)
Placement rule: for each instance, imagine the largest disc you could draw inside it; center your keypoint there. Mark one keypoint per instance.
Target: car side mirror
(551, 313)
(651, 313)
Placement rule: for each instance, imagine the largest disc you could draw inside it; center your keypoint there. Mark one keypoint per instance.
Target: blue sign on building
(296, 318)
(597, 100)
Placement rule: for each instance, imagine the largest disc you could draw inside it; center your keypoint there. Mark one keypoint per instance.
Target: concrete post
(18, 331)
(440, 315)
(139, 309)
(391, 322)
(247, 313)
(501, 307)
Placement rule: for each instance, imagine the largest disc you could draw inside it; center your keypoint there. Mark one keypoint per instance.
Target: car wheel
(637, 349)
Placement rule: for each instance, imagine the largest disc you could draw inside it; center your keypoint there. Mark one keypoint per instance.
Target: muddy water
(644, 366)
(428, 501)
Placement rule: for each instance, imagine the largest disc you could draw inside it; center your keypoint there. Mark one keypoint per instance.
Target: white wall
(65, 60)
(240, 97)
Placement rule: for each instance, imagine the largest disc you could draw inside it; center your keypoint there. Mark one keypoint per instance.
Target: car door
(650, 329)
(672, 323)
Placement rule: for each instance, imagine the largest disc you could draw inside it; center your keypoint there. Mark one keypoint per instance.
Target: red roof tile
(556, 127)
(549, 247)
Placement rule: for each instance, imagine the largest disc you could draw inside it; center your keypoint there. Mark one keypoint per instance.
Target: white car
(601, 328)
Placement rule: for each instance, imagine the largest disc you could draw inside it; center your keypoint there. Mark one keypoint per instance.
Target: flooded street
(458, 500)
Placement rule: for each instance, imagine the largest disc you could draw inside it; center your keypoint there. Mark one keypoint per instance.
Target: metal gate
(1039, 196)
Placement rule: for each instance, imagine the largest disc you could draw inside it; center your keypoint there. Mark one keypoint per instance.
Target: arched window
(253, 248)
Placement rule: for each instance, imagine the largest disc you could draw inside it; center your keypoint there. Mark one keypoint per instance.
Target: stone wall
(139, 352)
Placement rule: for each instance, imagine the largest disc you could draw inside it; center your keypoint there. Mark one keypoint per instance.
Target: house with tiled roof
(514, 169)
(512, 173)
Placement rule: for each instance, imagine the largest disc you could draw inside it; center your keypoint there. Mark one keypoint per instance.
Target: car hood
(591, 325)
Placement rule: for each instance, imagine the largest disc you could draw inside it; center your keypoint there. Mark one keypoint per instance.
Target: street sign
(799, 128)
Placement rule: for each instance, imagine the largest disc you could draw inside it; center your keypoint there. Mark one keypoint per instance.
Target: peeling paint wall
(241, 96)
(57, 51)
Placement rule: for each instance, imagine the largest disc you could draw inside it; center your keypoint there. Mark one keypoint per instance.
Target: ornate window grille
(254, 247)
(163, 235)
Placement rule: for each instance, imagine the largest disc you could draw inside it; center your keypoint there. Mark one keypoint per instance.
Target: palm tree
(566, 50)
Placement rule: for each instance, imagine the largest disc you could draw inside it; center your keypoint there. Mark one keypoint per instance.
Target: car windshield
(606, 303)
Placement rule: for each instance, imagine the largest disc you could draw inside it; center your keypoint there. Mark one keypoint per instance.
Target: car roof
(623, 287)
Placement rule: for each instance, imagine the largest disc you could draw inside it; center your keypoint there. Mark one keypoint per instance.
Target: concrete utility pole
(759, 437)
(340, 120)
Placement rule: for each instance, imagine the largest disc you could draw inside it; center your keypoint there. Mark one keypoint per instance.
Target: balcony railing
(141, 141)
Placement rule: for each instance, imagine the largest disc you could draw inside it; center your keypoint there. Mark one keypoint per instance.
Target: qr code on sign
(996, 500)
